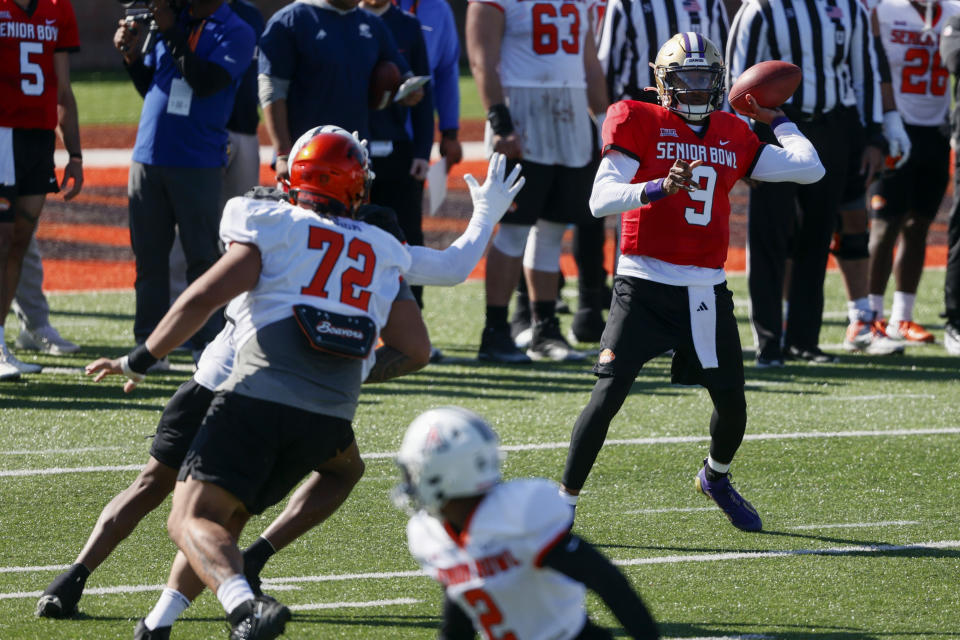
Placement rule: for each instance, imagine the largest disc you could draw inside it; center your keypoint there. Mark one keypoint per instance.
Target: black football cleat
(258, 619)
(142, 633)
(60, 598)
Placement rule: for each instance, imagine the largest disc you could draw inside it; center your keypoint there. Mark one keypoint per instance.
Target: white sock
(233, 592)
(168, 608)
(717, 466)
(876, 304)
(859, 310)
(902, 306)
(569, 498)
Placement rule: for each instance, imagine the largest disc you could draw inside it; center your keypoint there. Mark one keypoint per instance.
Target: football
(384, 82)
(771, 83)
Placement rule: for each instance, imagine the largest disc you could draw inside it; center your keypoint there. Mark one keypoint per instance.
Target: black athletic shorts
(33, 167)
(552, 192)
(649, 318)
(180, 422)
(259, 450)
(918, 186)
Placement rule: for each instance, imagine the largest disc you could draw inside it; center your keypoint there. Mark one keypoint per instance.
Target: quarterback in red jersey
(36, 37)
(668, 171)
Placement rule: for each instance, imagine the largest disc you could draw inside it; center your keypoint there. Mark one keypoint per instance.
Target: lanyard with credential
(195, 35)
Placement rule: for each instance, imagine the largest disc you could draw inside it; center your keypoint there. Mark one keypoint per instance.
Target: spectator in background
(633, 31)
(37, 104)
(399, 161)
(33, 311)
(907, 197)
(840, 75)
(243, 149)
(243, 163)
(950, 55)
(539, 87)
(189, 79)
(443, 52)
(316, 59)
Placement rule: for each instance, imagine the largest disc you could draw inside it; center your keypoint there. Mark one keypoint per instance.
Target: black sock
(544, 310)
(712, 474)
(256, 555)
(496, 316)
(80, 571)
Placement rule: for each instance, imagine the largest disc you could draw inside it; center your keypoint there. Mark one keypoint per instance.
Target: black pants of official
(951, 285)
(788, 220)
(397, 189)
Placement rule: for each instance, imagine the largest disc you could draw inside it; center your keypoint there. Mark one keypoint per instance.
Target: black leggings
(727, 425)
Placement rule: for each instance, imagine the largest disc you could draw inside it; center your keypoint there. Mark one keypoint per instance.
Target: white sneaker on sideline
(9, 359)
(524, 338)
(45, 339)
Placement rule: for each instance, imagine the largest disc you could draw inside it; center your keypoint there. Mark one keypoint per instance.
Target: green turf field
(850, 466)
(108, 97)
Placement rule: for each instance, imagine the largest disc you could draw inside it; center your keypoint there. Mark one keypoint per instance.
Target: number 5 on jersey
(355, 277)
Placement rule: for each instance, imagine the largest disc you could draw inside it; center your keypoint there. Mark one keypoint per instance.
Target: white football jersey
(337, 264)
(543, 42)
(493, 569)
(921, 84)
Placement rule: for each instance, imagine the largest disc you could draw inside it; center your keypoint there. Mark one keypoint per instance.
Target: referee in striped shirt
(634, 30)
(831, 41)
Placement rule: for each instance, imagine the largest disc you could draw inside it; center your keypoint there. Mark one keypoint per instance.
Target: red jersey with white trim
(28, 39)
(687, 228)
(543, 42)
(493, 568)
(921, 84)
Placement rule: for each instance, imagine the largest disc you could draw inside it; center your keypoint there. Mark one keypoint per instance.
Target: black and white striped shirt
(830, 40)
(634, 30)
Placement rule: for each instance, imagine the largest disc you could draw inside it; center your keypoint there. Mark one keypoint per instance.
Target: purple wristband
(654, 190)
(779, 120)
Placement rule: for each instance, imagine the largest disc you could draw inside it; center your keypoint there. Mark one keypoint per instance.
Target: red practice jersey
(687, 228)
(28, 39)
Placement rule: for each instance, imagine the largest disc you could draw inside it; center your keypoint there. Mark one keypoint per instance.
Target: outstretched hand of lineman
(680, 177)
(103, 367)
(492, 199)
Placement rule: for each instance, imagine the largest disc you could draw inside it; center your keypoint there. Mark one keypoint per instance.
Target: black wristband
(140, 359)
(449, 134)
(500, 121)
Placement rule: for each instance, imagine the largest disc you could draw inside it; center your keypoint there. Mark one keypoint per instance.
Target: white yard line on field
(54, 452)
(48, 567)
(390, 455)
(342, 605)
(788, 553)
(670, 510)
(856, 525)
(698, 557)
(53, 471)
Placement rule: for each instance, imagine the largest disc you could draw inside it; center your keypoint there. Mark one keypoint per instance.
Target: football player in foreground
(503, 551)
(668, 169)
(406, 349)
(316, 288)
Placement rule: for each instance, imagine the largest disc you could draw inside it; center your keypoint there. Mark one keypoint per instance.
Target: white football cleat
(45, 339)
(10, 360)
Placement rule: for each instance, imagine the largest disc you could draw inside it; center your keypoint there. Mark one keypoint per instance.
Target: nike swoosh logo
(49, 22)
(229, 59)
(724, 143)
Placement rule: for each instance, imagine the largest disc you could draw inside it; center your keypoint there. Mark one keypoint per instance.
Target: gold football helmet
(690, 74)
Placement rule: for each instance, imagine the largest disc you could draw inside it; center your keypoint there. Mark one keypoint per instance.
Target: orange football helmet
(329, 174)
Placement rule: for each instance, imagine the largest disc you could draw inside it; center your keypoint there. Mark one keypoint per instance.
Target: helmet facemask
(690, 76)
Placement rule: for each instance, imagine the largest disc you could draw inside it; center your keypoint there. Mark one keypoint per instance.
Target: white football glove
(492, 199)
(897, 138)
